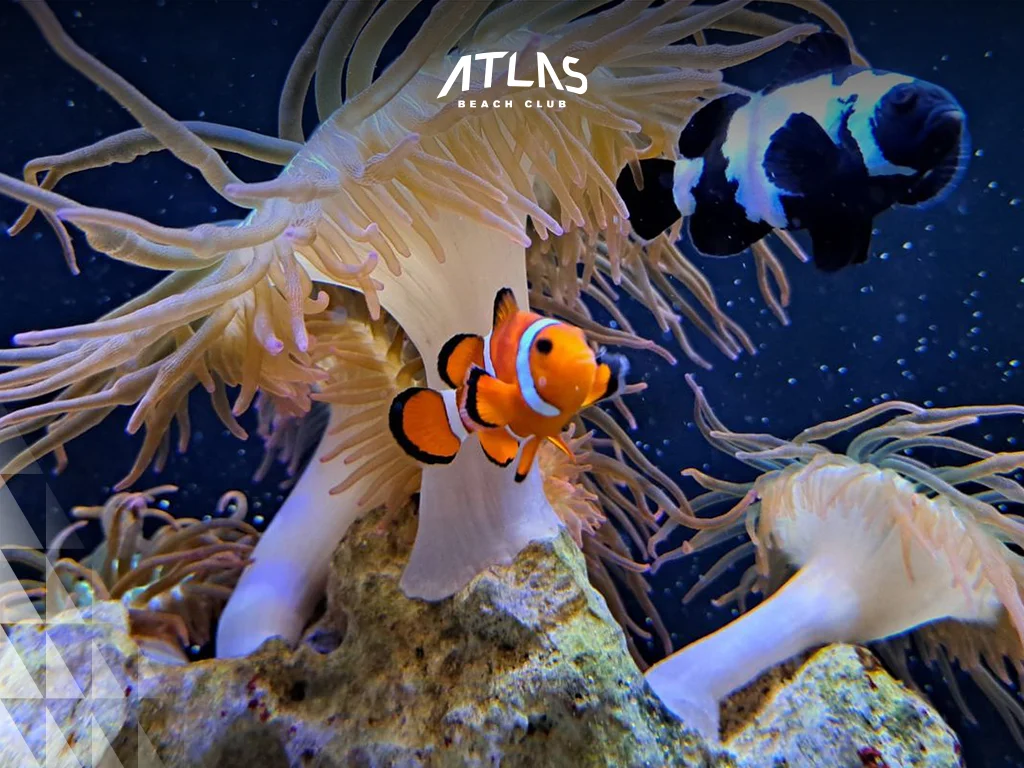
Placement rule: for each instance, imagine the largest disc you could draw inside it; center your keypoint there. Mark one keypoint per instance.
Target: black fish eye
(904, 99)
(544, 346)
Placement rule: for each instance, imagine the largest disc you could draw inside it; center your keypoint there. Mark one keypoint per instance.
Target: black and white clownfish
(825, 148)
(524, 381)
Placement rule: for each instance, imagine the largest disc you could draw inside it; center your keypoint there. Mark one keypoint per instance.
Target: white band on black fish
(684, 178)
(871, 88)
(526, 383)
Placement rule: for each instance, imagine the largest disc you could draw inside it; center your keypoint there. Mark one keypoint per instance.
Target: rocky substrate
(524, 667)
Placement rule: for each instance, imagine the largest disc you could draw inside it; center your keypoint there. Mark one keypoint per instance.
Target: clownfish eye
(544, 346)
(904, 99)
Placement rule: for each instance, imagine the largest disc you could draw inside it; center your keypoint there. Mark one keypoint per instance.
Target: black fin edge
(395, 425)
(472, 382)
(619, 366)
(445, 354)
(494, 461)
(499, 299)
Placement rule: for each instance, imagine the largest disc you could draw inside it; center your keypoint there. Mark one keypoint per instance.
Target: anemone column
(472, 514)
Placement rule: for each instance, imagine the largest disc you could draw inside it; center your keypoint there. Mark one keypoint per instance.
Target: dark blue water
(934, 316)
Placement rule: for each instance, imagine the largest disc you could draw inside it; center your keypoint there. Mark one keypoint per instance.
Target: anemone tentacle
(174, 582)
(423, 206)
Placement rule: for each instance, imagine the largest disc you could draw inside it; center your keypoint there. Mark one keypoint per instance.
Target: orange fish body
(522, 382)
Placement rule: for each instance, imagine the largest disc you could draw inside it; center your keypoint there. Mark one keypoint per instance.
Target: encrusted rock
(836, 707)
(524, 667)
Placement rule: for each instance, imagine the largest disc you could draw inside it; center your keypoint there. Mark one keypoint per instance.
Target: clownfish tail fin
(425, 424)
(460, 353)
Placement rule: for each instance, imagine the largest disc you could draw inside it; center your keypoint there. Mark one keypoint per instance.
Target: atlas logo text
(545, 73)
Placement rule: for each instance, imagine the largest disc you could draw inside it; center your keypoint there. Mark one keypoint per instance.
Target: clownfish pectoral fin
(838, 243)
(505, 306)
(820, 52)
(652, 208)
(486, 401)
(460, 353)
(499, 446)
(559, 442)
(801, 156)
(425, 423)
(527, 457)
(610, 379)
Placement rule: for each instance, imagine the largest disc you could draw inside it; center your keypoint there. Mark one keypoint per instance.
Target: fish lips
(946, 164)
(943, 135)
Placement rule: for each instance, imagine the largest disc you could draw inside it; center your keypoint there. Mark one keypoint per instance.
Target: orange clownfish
(524, 381)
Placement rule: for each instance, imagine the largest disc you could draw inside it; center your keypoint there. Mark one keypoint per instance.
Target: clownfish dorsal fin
(818, 53)
(505, 306)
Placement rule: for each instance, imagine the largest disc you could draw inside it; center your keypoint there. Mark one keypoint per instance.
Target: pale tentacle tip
(273, 345)
(300, 235)
(66, 214)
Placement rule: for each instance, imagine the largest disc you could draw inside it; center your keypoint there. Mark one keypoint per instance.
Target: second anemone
(882, 544)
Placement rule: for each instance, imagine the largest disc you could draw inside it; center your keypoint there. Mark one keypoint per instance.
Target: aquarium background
(932, 318)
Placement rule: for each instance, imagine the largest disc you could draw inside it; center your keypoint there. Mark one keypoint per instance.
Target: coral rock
(835, 707)
(523, 667)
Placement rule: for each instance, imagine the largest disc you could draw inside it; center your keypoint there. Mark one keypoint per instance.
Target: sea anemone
(173, 583)
(356, 467)
(881, 542)
(368, 362)
(424, 207)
